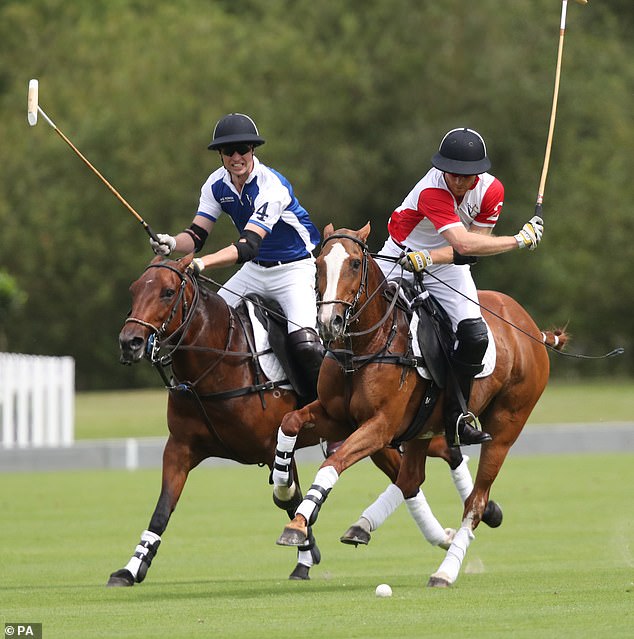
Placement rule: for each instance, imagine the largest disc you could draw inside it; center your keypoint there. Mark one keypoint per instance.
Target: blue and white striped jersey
(267, 200)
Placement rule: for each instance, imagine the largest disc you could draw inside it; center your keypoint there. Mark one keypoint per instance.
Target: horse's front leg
(362, 443)
(177, 462)
(285, 491)
(287, 494)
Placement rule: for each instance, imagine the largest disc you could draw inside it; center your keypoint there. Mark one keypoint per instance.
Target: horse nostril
(136, 343)
(131, 346)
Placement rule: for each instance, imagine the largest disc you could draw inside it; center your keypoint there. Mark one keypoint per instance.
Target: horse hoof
(292, 537)
(492, 515)
(121, 578)
(300, 573)
(439, 580)
(354, 536)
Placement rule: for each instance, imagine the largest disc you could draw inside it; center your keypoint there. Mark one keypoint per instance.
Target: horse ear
(185, 261)
(329, 229)
(365, 231)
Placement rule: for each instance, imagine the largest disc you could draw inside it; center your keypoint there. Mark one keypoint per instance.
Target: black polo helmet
(235, 128)
(463, 152)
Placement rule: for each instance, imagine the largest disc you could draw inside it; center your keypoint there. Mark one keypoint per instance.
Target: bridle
(352, 313)
(187, 313)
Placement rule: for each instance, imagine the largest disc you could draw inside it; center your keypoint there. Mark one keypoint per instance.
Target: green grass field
(142, 413)
(561, 565)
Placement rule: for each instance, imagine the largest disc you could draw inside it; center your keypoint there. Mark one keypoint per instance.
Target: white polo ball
(383, 590)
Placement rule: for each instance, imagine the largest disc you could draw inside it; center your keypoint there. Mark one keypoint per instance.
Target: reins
(160, 362)
(617, 351)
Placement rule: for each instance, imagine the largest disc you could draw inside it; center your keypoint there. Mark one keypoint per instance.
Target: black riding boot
(460, 428)
(307, 354)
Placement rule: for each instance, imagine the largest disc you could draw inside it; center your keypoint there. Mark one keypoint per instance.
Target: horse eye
(168, 293)
(356, 263)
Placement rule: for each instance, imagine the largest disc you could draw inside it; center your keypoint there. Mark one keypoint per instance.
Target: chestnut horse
(366, 381)
(220, 404)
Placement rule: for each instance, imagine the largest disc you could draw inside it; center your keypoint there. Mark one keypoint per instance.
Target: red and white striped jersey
(430, 208)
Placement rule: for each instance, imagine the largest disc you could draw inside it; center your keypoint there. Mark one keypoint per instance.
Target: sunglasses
(230, 149)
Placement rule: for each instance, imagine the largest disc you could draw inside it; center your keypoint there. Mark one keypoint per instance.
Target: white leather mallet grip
(32, 102)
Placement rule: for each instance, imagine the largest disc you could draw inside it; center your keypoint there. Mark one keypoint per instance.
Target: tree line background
(353, 98)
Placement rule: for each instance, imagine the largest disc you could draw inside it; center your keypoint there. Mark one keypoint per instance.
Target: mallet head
(582, 1)
(32, 102)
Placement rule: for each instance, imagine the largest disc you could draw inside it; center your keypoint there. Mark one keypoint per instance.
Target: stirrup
(468, 431)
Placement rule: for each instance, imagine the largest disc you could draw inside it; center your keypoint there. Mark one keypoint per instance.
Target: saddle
(270, 315)
(434, 334)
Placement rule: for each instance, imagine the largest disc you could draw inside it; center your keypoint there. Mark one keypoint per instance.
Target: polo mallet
(553, 112)
(33, 108)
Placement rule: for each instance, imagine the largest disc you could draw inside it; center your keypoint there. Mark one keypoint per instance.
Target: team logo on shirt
(472, 210)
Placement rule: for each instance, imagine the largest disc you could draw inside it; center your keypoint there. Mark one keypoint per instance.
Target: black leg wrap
(145, 557)
(285, 467)
(318, 500)
(291, 505)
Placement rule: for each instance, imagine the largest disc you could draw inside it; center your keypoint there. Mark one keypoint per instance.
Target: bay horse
(220, 404)
(366, 380)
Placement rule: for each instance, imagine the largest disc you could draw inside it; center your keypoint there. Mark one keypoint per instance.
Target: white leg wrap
(141, 551)
(305, 557)
(387, 502)
(283, 458)
(462, 479)
(285, 493)
(325, 478)
(427, 523)
(450, 567)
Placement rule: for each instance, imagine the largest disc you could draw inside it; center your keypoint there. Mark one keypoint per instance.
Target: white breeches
(291, 285)
(454, 289)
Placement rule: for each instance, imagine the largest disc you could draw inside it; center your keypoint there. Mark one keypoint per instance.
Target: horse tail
(556, 338)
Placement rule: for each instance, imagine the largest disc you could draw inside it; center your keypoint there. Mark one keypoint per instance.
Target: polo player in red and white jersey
(442, 225)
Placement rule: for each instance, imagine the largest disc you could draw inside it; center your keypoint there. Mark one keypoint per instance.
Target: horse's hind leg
(177, 463)
(461, 477)
(389, 500)
(492, 457)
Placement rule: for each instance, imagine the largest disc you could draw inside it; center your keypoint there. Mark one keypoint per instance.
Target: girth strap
(422, 415)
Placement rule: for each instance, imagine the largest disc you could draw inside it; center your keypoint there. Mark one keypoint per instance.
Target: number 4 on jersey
(261, 212)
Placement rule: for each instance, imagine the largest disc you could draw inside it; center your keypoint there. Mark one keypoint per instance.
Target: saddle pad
(488, 360)
(271, 366)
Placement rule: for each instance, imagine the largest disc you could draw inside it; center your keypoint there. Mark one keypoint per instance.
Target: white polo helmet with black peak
(463, 152)
(235, 128)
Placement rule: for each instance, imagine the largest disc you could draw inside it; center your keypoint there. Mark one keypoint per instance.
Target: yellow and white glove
(165, 245)
(531, 233)
(416, 260)
(196, 266)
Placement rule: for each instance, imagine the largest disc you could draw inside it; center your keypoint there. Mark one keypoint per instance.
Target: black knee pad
(473, 340)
